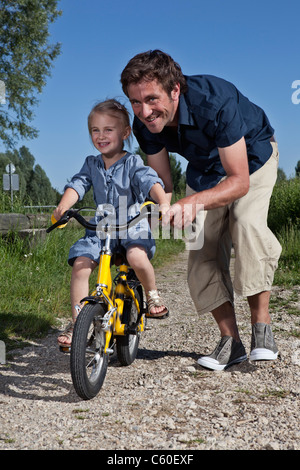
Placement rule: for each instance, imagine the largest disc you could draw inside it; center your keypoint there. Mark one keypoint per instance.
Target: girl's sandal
(154, 300)
(67, 333)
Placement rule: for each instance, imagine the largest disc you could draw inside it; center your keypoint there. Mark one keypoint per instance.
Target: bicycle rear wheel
(127, 346)
(88, 361)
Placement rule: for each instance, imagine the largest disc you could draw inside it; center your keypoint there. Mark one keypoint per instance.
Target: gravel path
(163, 400)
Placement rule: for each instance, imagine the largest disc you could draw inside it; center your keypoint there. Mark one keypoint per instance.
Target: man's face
(153, 106)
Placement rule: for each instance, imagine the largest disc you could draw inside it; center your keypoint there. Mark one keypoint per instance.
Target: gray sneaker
(263, 346)
(227, 353)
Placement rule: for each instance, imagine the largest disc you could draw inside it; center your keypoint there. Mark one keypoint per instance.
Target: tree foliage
(284, 205)
(26, 59)
(35, 186)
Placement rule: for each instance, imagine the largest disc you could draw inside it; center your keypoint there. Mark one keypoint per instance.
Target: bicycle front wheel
(88, 361)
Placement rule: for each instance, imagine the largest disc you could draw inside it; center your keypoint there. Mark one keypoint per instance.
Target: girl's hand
(69, 198)
(58, 213)
(163, 208)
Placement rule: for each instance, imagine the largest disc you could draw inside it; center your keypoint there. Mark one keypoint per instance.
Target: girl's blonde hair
(112, 107)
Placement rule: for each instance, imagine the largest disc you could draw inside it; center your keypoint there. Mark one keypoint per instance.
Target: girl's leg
(140, 263)
(82, 269)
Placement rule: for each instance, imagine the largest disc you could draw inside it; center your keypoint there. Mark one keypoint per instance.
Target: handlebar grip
(150, 205)
(53, 220)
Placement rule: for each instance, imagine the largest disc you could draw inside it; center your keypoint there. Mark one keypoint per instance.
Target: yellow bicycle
(112, 316)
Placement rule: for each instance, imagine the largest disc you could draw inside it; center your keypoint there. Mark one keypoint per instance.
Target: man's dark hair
(153, 65)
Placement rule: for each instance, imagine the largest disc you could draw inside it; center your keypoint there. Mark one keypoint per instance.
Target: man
(233, 159)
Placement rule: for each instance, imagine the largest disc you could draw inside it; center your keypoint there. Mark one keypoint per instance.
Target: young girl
(113, 173)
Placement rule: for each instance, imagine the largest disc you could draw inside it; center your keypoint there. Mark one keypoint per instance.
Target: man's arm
(160, 162)
(235, 162)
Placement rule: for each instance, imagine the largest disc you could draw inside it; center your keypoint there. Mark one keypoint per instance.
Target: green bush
(35, 285)
(285, 205)
(284, 221)
(288, 272)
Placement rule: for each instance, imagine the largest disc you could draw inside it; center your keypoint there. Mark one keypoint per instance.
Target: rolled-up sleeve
(82, 181)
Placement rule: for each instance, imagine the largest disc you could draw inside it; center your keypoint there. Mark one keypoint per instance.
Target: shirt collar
(114, 165)
(185, 116)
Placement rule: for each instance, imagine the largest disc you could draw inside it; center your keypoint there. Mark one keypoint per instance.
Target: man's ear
(175, 92)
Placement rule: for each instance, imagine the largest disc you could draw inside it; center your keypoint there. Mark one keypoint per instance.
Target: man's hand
(182, 213)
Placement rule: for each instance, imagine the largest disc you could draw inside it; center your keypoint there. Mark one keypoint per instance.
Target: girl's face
(108, 133)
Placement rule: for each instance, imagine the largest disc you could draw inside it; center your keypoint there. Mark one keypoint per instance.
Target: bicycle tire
(127, 346)
(88, 362)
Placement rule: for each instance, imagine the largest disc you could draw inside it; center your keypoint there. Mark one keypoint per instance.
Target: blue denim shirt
(127, 177)
(212, 113)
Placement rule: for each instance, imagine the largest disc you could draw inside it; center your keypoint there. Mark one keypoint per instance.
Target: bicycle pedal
(65, 349)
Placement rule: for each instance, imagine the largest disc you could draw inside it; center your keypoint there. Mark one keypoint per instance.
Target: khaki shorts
(243, 226)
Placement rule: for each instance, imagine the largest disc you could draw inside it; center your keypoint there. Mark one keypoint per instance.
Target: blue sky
(253, 44)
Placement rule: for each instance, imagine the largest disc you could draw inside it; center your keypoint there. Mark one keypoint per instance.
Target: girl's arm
(160, 162)
(158, 194)
(70, 197)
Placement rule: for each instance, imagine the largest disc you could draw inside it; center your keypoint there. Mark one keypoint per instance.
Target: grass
(288, 272)
(35, 283)
(34, 286)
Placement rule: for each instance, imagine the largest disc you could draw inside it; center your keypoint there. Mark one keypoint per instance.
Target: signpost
(10, 181)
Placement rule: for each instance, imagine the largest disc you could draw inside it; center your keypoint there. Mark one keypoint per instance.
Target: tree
(35, 186)
(178, 177)
(297, 169)
(39, 187)
(26, 59)
(281, 176)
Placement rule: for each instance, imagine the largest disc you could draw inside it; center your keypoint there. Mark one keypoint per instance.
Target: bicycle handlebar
(74, 213)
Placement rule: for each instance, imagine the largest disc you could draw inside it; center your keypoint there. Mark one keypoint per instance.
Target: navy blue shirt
(212, 113)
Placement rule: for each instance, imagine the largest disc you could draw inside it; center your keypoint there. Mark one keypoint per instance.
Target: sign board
(10, 168)
(11, 182)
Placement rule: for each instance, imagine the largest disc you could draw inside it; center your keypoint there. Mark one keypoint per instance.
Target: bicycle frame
(112, 321)
(104, 292)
